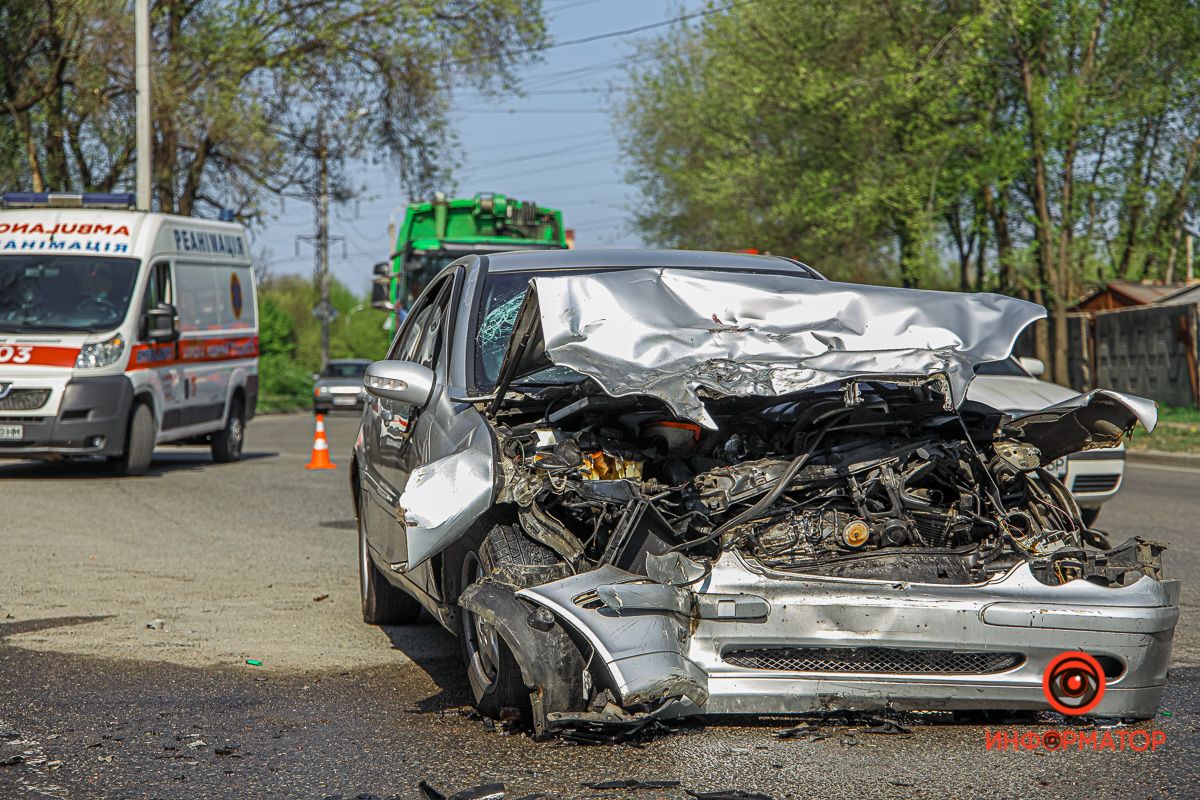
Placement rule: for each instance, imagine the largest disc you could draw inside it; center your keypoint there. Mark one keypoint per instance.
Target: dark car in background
(339, 385)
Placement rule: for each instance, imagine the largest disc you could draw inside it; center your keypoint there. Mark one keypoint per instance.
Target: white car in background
(1093, 476)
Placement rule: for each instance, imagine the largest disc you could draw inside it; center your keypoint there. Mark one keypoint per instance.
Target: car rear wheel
(227, 442)
(139, 443)
(382, 603)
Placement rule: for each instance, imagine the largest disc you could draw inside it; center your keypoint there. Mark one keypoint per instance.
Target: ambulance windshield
(64, 293)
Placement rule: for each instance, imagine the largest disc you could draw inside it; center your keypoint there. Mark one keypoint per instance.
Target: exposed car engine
(879, 480)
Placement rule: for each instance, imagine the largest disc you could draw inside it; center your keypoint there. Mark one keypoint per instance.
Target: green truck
(436, 232)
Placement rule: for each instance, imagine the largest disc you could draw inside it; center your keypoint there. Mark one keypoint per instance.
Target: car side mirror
(381, 295)
(403, 381)
(1034, 366)
(159, 323)
(383, 269)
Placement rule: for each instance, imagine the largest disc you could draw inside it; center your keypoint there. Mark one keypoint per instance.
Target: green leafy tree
(246, 92)
(1031, 146)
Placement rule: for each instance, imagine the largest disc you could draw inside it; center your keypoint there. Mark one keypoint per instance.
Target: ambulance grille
(24, 399)
(893, 661)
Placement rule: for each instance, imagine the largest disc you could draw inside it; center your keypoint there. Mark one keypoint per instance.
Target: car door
(396, 435)
(160, 358)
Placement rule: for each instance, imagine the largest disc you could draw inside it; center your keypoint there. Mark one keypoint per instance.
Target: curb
(1163, 458)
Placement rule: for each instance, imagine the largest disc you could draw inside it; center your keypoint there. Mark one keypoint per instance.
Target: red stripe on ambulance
(192, 351)
(34, 355)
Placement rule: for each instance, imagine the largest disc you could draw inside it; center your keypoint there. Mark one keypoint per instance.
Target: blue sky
(555, 145)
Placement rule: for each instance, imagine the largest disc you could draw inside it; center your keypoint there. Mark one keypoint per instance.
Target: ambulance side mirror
(159, 325)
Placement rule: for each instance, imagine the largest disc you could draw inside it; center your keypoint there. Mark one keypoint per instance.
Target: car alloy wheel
(482, 641)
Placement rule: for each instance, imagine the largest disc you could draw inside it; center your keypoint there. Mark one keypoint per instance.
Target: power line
(532, 142)
(532, 111)
(556, 9)
(597, 37)
(547, 92)
(576, 150)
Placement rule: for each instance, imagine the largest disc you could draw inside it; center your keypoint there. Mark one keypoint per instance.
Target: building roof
(1128, 293)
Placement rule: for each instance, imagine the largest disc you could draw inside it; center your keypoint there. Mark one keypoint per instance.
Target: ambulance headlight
(100, 354)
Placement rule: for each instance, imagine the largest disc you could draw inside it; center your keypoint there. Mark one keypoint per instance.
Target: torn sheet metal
(1093, 420)
(681, 335)
(644, 652)
(443, 498)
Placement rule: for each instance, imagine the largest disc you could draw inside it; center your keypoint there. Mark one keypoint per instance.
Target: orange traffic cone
(320, 448)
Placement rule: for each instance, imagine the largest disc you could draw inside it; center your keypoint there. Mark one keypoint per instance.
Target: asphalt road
(128, 609)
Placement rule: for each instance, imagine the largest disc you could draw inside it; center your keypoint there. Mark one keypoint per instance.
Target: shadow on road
(32, 625)
(164, 463)
(439, 656)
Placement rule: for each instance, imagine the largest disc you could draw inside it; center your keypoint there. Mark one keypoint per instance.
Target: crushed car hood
(684, 335)
(1088, 421)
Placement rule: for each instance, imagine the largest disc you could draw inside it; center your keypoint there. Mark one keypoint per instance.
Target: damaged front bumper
(747, 640)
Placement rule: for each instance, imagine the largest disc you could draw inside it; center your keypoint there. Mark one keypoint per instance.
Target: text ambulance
(121, 329)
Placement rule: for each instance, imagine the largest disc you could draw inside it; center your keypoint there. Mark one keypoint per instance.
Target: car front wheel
(139, 443)
(493, 672)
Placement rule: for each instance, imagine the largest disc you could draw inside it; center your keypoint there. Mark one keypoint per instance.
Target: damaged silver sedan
(640, 484)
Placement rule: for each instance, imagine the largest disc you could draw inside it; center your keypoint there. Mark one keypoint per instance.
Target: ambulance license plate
(12, 433)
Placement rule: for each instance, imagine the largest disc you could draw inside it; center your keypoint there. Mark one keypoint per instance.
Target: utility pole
(323, 234)
(324, 311)
(141, 15)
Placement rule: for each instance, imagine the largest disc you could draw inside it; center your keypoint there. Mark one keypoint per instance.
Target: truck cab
(436, 232)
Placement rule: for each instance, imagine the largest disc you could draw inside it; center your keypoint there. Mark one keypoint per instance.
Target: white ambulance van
(122, 329)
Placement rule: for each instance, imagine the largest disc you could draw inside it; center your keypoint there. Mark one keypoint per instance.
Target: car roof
(532, 260)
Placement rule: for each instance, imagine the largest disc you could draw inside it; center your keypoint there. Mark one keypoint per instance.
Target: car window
(418, 340)
(431, 338)
(496, 314)
(344, 371)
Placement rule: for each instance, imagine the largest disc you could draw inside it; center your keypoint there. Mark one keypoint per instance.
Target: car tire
(139, 443)
(382, 603)
(227, 442)
(492, 671)
(1089, 516)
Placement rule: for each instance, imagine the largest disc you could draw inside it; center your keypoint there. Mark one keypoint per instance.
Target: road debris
(631, 785)
(156, 624)
(488, 791)
(254, 662)
(320, 597)
(11, 761)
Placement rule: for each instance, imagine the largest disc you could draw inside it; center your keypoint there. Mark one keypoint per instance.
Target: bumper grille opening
(890, 660)
(1113, 667)
(1095, 483)
(24, 399)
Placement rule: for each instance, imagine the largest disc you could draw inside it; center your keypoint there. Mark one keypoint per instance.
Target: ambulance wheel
(139, 443)
(382, 603)
(227, 442)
